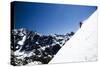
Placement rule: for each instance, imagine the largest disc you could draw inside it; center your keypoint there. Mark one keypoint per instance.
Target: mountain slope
(82, 46)
(31, 47)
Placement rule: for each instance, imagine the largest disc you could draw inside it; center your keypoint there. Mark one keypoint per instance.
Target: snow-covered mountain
(31, 47)
(82, 46)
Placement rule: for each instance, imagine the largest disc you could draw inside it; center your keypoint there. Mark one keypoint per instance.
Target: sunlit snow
(82, 46)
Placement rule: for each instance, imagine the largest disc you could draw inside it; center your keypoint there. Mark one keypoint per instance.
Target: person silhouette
(80, 24)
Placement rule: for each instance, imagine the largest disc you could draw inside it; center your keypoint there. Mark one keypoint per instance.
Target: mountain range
(32, 47)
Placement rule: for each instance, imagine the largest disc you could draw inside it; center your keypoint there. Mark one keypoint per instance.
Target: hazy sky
(50, 18)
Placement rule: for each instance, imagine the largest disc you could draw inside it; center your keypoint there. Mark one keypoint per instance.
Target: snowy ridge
(82, 46)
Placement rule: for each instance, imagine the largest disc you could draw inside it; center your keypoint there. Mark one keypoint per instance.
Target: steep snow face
(82, 46)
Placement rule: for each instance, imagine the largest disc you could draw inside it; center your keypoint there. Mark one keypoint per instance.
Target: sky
(48, 18)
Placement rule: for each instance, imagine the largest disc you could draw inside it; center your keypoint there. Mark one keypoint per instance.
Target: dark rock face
(31, 47)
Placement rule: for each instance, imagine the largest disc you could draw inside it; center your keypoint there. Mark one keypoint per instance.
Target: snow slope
(82, 46)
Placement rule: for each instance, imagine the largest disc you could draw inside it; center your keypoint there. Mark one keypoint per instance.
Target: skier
(81, 24)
